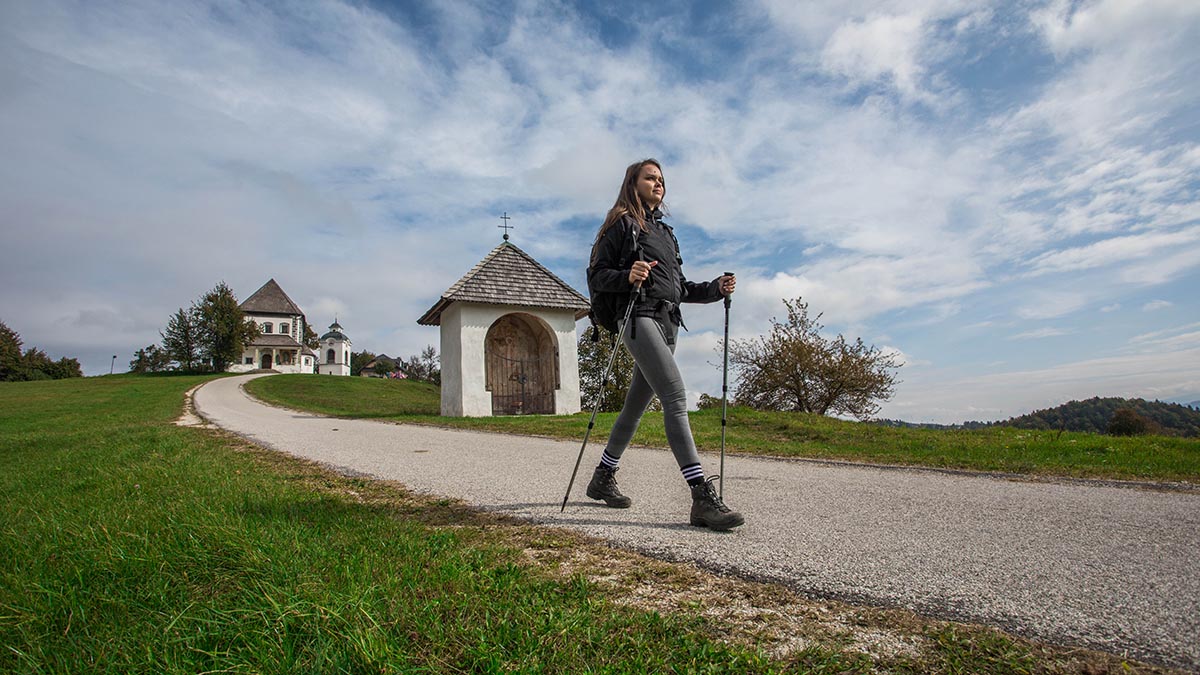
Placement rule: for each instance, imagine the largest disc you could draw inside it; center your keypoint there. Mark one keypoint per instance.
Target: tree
(181, 339)
(222, 328)
(795, 369)
(311, 339)
(33, 363)
(10, 352)
(593, 358)
(423, 367)
(150, 359)
(1126, 422)
(359, 360)
(63, 368)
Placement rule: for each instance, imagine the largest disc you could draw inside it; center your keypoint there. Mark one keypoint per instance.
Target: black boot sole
(718, 527)
(614, 504)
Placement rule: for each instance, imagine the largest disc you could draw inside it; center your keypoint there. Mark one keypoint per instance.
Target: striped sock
(608, 460)
(693, 473)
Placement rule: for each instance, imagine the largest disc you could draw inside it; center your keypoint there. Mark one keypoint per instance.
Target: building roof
(335, 332)
(276, 340)
(509, 276)
(270, 299)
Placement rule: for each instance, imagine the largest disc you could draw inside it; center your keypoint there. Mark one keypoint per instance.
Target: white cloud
(876, 47)
(1114, 250)
(1155, 305)
(833, 151)
(1039, 334)
(1050, 304)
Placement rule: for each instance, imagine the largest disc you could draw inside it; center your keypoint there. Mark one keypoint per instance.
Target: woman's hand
(727, 283)
(640, 271)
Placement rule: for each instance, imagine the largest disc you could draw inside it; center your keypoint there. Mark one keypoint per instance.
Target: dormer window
(267, 327)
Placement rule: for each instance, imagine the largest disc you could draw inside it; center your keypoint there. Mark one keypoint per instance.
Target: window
(249, 360)
(330, 357)
(283, 328)
(267, 327)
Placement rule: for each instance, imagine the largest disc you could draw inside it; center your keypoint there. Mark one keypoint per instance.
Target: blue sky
(1003, 193)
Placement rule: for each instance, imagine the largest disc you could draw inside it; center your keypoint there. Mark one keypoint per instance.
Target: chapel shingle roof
(270, 299)
(509, 276)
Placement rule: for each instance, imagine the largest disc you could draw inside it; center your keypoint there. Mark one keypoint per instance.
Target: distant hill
(1093, 415)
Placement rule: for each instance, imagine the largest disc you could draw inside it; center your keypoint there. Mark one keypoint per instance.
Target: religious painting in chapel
(521, 363)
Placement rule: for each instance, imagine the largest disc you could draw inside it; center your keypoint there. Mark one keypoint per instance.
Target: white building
(508, 339)
(280, 346)
(335, 352)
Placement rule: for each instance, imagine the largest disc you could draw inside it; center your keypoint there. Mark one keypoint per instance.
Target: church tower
(333, 355)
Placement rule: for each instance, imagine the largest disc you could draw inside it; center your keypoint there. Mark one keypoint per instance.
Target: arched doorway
(521, 361)
(266, 361)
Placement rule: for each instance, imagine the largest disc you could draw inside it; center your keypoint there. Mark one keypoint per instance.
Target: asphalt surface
(1095, 565)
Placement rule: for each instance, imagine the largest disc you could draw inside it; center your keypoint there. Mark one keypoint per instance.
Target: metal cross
(506, 226)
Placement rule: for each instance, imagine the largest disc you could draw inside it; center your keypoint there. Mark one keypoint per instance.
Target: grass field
(1043, 453)
(130, 545)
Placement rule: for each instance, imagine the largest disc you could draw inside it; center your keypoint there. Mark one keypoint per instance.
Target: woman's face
(650, 186)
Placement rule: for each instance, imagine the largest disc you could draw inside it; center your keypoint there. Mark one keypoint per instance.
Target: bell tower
(333, 354)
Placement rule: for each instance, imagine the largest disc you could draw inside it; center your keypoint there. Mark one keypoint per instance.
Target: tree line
(17, 365)
(1114, 416)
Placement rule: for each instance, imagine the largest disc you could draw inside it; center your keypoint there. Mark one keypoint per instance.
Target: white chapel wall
(464, 328)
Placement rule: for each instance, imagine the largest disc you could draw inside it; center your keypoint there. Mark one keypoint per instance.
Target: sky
(1003, 194)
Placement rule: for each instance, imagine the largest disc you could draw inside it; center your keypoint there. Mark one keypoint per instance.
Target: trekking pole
(612, 359)
(724, 390)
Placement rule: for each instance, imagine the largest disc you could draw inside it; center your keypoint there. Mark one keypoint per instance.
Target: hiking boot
(709, 511)
(604, 486)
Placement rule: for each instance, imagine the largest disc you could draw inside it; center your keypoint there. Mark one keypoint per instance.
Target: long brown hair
(629, 202)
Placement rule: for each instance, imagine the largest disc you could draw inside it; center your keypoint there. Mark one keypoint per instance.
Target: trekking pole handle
(727, 298)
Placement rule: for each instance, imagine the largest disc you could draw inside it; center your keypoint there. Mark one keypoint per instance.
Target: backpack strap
(636, 249)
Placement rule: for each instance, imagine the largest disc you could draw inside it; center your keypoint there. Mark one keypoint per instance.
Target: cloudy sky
(1004, 193)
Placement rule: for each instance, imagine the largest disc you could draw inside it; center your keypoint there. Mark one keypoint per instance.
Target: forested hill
(1094, 414)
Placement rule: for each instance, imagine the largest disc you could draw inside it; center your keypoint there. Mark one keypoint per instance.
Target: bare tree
(795, 368)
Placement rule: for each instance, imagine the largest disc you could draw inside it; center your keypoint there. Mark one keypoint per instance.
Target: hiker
(636, 258)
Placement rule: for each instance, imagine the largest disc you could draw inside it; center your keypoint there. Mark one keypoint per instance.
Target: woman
(636, 256)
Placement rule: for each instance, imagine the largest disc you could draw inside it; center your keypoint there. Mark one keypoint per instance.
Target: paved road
(1111, 568)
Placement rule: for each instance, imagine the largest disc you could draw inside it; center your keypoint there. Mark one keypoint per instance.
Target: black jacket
(666, 287)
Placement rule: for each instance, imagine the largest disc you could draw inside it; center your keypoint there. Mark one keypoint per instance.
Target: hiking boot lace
(711, 494)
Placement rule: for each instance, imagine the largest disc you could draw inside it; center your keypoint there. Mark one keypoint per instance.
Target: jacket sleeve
(703, 292)
(605, 275)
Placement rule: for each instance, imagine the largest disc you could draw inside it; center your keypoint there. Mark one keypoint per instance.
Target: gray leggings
(655, 373)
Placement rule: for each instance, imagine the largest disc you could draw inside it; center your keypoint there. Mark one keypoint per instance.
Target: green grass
(130, 545)
(998, 449)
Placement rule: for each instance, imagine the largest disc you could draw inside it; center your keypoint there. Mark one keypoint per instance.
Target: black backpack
(606, 307)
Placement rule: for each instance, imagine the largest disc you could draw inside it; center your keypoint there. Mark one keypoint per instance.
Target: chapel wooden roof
(509, 276)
